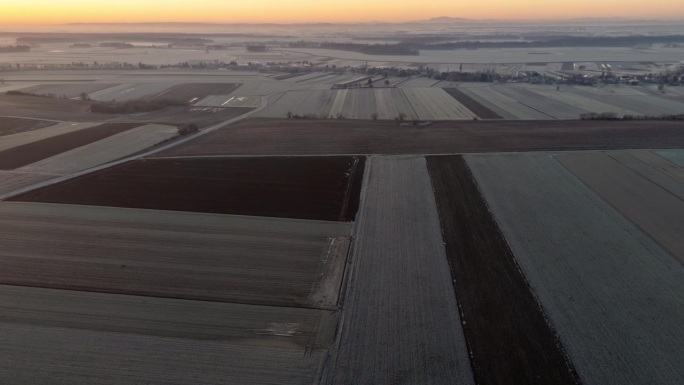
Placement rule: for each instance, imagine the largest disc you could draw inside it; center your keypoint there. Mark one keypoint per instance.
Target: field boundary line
(265, 103)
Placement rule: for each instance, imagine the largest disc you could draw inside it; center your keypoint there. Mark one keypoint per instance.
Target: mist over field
(342, 194)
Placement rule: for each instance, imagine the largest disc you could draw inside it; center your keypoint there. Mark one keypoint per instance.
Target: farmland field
(200, 116)
(25, 138)
(29, 354)
(129, 91)
(505, 106)
(506, 330)
(650, 198)
(105, 150)
(316, 103)
(238, 324)
(28, 153)
(674, 156)
(545, 105)
(334, 136)
(69, 90)
(9, 126)
(436, 104)
(12, 180)
(229, 101)
(323, 188)
(400, 321)
(611, 293)
(282, 262)
(194, 92)
(473, 105)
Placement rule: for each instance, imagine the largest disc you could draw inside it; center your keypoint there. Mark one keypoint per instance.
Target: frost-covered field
(14, 140)
(612, 294)
(103, 151)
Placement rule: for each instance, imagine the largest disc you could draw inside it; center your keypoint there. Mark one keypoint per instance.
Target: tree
(289, 114)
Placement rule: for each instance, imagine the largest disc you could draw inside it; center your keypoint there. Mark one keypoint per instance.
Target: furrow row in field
(171, 254)
(31, 354)
(237, 324)
(610, 292)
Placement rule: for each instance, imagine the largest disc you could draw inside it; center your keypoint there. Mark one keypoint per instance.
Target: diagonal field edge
(508, 335)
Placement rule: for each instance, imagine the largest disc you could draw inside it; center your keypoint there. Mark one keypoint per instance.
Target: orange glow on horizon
(16, 12)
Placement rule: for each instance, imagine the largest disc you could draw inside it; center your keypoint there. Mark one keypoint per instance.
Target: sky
(18, 12)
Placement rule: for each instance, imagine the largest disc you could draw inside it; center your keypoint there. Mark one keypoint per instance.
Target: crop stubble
(610, 292)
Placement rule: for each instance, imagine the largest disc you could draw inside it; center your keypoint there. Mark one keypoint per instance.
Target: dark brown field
(9, 126)
(193, 92)
(310, 137)
(322, 188)
(506, 331)
(473, 105)
(19, 156)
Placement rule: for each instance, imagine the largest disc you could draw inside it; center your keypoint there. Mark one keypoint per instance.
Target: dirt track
(292, 137)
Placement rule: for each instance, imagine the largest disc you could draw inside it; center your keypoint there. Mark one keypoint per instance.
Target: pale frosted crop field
(103, 151)
(436, 104)
(124, 92)
(316, 102)
(229, 101)
(505, 105)
(14, 140)
(612, 294)
(12, 180)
